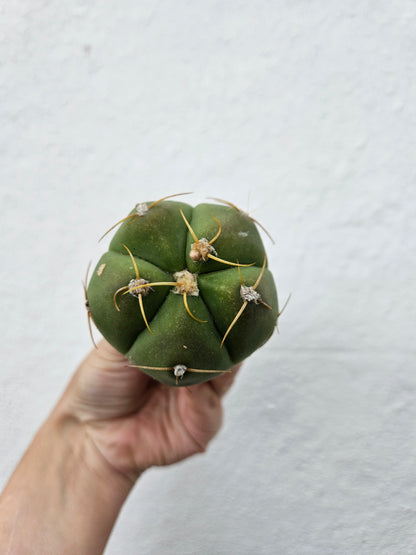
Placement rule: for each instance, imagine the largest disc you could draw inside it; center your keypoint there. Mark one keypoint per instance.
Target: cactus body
(182, 334)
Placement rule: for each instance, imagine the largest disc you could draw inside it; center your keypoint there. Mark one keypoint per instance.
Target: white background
(308, 108)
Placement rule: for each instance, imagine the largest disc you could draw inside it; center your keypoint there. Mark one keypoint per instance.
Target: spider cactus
(184, 292)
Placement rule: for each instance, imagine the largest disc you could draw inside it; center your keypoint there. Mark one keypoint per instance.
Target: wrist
(63, 496)
(82, 457)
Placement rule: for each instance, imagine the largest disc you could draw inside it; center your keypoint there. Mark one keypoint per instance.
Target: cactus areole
(184, 292)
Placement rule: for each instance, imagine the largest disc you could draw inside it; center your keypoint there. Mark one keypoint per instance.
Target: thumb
(105, 386)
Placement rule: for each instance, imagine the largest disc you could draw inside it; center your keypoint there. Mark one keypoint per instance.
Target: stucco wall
(309, 107)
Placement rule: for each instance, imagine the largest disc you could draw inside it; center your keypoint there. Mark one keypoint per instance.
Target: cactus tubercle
(141, 209)
(202, 249)
(132, 289)
(248, 294)
(261, 226)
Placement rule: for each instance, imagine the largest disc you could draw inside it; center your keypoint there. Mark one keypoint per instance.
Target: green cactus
(184, 292)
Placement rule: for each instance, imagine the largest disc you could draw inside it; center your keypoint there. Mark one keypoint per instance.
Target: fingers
(224, 382)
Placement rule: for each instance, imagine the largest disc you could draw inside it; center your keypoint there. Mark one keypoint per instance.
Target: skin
(112, 423)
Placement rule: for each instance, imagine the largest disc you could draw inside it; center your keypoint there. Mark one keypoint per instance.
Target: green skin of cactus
(160, 242)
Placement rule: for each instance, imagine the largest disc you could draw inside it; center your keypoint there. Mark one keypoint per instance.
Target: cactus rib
(242, 212)
(203, 249)
(247, 298)
(185, 302)
(143, 209)
(139, 294)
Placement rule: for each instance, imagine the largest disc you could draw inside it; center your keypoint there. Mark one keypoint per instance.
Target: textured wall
(310, 108)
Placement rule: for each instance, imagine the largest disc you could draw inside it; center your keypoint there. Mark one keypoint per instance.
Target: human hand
(136, 422)
(112, 422)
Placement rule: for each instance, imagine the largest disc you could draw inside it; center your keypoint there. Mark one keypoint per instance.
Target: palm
(137, 422)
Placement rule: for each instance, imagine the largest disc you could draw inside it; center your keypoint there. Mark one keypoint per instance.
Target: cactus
(184, 292)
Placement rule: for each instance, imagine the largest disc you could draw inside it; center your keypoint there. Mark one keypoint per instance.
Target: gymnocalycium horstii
(184, 292)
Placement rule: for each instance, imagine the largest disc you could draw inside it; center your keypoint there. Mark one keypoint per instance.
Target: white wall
(309, 107)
